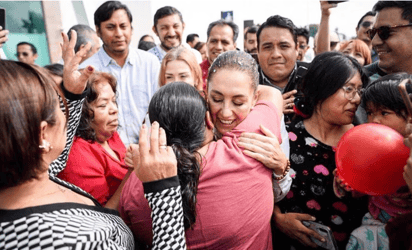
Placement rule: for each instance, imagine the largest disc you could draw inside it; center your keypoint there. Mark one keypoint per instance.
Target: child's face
(386, 117)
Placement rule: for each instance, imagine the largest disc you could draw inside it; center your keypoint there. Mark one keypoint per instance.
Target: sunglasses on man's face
(366, 24)
(24, 54)
(384, 32)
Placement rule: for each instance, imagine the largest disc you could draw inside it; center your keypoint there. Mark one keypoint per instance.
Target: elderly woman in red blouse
(96, 161)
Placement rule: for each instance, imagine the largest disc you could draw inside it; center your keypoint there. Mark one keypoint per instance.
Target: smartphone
(325, 232)
(3, 18)
(405, 88)
(332, 2)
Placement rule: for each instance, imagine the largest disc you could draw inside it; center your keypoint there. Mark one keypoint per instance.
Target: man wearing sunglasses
(26, 52)
(391, 36)
(365, 24)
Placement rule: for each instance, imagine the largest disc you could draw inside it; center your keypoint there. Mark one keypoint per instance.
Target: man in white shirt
(169, 27)
(136, 71)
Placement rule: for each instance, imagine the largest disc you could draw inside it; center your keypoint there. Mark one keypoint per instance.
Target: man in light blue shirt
(136, 71)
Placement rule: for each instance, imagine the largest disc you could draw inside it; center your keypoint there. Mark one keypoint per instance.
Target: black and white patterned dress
(79, 226)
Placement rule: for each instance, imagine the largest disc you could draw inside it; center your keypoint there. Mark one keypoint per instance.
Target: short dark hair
(251, 30)
(222, 22)
(180, 110)
(28, 97)
(33, 48)
(191, 37)
(105, 12)
(55, 69)
(406, 6)
(384, 93)
(166, 11)
(328, 72)
(85, 130)
(199, 46)
(145, 45)
(84, 33)
(280, 22)
(303, 32)
(369, 13)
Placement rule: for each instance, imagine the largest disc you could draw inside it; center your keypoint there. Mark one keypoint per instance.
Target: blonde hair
(360, 46)
(189, 58)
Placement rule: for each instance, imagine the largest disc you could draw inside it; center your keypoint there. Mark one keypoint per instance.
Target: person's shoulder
(145, 56)
(303, 64)
(94, 60)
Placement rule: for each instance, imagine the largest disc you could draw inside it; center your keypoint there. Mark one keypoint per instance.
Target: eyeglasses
(366, 24)
(384, 32)
(350, 92)
(24, 54)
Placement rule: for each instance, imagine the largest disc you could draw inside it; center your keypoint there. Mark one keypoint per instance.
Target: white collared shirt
(137, 81)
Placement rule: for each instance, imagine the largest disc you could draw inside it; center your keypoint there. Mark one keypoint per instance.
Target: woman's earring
(45, 145)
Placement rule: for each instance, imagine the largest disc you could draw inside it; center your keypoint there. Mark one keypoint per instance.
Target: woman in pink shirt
(227, 195)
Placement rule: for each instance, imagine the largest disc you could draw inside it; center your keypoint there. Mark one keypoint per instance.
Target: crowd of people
(201, 145)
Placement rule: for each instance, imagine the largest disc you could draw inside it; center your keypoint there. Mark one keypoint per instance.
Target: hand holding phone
(3, 18)
(325, 232)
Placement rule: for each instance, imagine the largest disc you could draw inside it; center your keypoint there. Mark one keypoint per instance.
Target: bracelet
(278, 178)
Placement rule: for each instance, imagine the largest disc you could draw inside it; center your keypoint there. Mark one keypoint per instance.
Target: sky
(197, 14)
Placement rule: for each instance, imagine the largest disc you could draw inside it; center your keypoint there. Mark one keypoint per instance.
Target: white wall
(141, 12)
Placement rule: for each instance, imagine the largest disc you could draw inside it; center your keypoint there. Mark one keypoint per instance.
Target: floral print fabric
(312, 187)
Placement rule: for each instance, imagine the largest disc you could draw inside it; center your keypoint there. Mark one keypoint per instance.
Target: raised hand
(157, 160)
(74, 81)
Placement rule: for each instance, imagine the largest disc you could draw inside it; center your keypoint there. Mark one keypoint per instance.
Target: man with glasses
(391, 38)
(303, 43)
(392, 35)
(365, 24)
(26, 52)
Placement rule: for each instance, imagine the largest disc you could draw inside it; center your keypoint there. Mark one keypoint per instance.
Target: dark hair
(33, 48)
(180, 110)
(236, 60)
(384, 93)
(55, 69)
(251, 30)
(328, 72)
(84, 35)
(222, 22)
(145, 45)
(199, 46)
(85, 131)
(191, 37)
(105, 12)
(369, 13)
(166, 11)
(406, 6)
(28, 97)
(144, 36)
(302, 32)
(280, 22)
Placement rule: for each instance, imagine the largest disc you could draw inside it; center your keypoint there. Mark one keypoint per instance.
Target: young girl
(384, 105)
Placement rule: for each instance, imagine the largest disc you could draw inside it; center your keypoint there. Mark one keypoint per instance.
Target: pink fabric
(235, 196)
(93, 169)
(395, 204)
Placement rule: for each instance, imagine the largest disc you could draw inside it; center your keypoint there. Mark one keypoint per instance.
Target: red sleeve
(85, 169)
(264, 113)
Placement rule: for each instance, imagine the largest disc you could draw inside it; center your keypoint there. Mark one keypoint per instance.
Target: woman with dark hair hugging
(332, 90)
(96, 161)
(38, 210)
(227, 196)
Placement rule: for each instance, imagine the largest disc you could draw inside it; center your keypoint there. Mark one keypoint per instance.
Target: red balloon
(370, 159)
